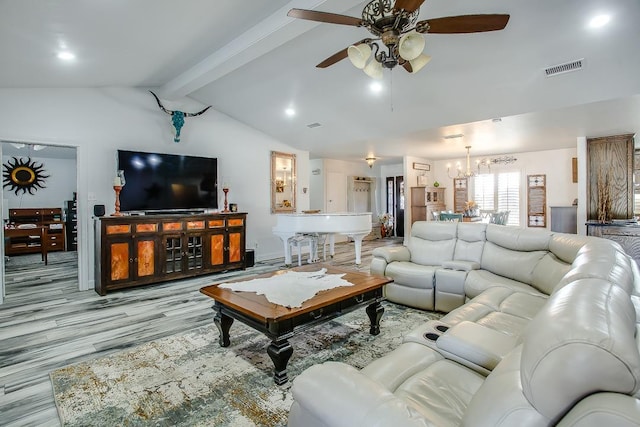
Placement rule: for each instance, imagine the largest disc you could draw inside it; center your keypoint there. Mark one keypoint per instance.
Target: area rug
(189, 380)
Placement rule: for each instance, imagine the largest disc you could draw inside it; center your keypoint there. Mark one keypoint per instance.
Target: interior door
(336, 200)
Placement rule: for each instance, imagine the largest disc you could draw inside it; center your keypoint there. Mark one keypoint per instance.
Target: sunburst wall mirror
(23, 175)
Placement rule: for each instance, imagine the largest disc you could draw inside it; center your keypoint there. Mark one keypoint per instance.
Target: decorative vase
(383, 231)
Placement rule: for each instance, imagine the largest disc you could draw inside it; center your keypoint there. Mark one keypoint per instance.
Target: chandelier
(487, 162)
(398, 44)
(466, 174)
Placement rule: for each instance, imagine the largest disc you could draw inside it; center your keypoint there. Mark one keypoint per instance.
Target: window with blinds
(499, 192)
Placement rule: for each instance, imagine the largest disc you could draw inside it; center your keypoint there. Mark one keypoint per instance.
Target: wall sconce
(371, 161)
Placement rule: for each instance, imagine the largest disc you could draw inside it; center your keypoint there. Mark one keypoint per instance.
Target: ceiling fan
(394, 24)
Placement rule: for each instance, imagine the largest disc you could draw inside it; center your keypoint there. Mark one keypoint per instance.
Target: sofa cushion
(512, 263)
(396, 367)
(548, 272)
(581, 342)
(506, 323)
(518, 239)
(501, 308)
(432, 242)
(442, 392)
(480, 280)
(566, 246)
(499, 402)
(471, 238)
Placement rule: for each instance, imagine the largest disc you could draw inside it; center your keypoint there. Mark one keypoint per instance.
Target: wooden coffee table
(280, 323)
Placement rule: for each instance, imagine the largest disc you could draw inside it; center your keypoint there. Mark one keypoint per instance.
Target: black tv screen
(156, 181)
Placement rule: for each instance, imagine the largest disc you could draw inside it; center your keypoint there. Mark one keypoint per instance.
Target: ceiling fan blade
(408, 5)
(338, 56)
(331, 18)
(463, 24)
(407, 66)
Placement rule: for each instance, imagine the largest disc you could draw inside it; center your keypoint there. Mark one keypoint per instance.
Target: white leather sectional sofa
(542, 330)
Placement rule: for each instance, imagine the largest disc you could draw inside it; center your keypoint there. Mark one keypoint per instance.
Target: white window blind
(509, 195)
(484, 191)
(499, 192)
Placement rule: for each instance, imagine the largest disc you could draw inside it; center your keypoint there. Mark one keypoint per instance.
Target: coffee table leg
(223, 322)
(375, 312)
(280, 352)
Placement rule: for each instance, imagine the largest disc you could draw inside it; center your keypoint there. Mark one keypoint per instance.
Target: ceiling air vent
(564, 68)
(314, 125)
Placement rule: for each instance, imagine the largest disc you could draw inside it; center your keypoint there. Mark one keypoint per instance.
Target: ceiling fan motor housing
(379, 16)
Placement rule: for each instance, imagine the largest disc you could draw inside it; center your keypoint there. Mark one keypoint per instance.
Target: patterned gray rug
(189, 380)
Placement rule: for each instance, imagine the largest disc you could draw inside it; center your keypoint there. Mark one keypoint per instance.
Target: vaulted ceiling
(250, 61)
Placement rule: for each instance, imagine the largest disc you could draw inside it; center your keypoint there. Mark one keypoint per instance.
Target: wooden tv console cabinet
(140, 250)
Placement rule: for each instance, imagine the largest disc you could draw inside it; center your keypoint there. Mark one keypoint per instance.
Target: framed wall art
(537, 200)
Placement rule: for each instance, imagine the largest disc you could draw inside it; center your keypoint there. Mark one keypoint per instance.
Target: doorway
(396, 202)
(39, 194)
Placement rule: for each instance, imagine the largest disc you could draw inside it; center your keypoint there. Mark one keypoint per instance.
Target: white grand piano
(354, 225)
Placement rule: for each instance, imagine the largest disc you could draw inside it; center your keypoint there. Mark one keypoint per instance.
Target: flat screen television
(157, 182)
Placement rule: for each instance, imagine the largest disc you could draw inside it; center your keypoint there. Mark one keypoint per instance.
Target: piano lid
(334, 222)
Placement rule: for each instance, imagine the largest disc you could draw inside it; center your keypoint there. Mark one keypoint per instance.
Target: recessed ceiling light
(65, 55)
(375, 87)
(599, 21)
(290, 112)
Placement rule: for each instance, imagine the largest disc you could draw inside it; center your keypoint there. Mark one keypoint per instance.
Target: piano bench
(300, 240)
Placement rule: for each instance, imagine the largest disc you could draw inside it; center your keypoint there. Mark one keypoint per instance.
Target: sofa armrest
(471, 342)
(392, 253)
(461, 265)
(336, 394)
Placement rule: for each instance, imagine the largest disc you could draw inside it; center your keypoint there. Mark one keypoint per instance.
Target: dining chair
(445, 216)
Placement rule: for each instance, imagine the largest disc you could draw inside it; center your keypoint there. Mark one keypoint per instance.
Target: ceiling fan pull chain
(391, 89)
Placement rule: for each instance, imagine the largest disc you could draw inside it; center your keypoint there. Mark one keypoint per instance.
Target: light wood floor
(46, 323)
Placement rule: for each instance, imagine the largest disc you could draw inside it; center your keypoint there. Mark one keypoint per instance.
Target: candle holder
(226, 205)
(117, 189)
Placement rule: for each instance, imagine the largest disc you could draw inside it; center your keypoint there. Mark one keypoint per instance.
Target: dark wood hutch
(141, 250)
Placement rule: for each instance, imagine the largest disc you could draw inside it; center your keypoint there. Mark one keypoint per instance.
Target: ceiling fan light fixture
(359, 55)
(419, 63)
(374, 70)
(411, 45)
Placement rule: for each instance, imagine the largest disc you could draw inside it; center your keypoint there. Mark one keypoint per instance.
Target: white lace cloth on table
(292, 288)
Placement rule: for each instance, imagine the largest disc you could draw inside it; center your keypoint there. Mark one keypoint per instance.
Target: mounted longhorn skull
(177, 116)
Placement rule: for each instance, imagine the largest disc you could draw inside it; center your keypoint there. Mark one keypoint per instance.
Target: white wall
(316, 184)
(57, 188)
(555, 164)
(100, 121)
(348, 168)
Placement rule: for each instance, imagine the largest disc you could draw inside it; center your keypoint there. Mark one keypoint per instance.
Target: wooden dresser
(140, 250)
